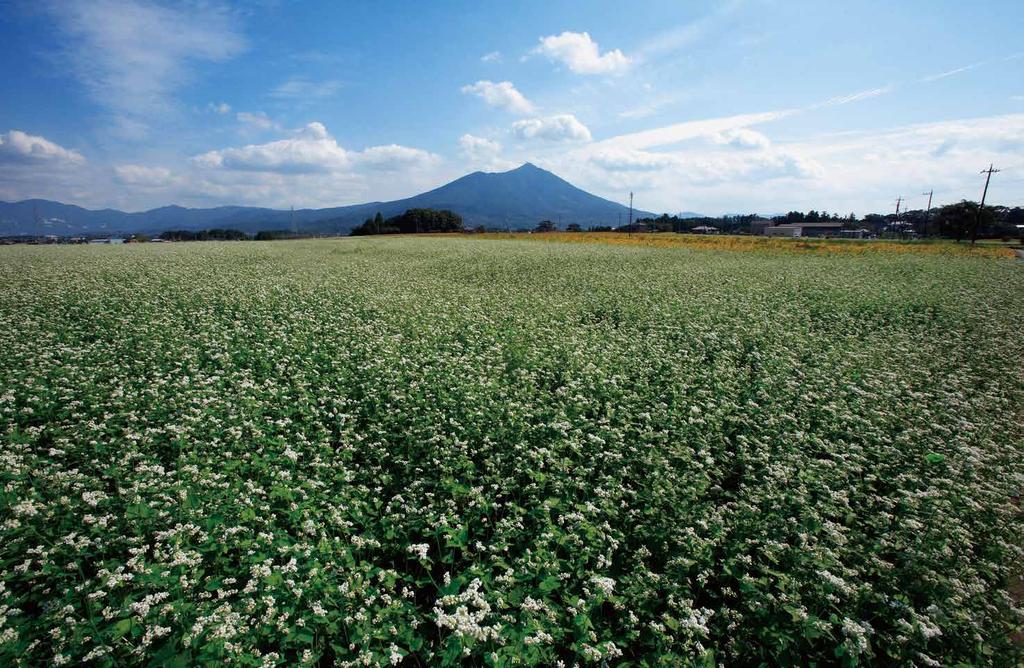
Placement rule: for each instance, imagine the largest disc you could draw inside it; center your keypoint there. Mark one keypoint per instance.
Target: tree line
(954, 221)
(411, 222)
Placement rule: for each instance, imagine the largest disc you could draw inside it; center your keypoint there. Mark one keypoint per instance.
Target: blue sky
(703, 106)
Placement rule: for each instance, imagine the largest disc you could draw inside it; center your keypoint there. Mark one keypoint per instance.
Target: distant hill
(521, 197)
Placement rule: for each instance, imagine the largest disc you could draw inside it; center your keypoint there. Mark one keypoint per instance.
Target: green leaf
(549, 584)
(122, 627)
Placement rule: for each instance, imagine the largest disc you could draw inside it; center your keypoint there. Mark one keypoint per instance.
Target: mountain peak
(527, 167)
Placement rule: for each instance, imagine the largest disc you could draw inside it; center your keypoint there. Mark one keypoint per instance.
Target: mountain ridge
(516, 198)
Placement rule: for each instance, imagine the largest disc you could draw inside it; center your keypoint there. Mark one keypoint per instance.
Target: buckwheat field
(449, 451)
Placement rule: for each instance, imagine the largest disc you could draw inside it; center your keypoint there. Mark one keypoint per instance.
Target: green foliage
(411, 222)
(440, 451)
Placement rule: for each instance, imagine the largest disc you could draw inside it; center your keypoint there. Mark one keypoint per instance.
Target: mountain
(521, 197)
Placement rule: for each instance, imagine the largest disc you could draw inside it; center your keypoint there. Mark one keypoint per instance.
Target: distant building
(805, 230)
(705, 229)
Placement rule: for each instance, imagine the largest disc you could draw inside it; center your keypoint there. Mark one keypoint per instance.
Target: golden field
(767, 244)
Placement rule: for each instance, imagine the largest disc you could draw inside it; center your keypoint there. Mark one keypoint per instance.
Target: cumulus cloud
(580, 53)
(483, 153)
(132, 56)
(502, 95)
(561, 127)
(394, 157)
(310, 150)
(222, 108)
(478, 148)
(141, 175)
(742, 138)
(19, 147)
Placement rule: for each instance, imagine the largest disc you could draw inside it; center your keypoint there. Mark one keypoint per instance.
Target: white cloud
(850, 171)
(478, 148)
(561, 127)
(483, 153)
(222, 108)
(578, 52)
(492, 57)
(673, 134)
(141, 175)
(742, 138)
(132, 56)
(856, 97)
(624, 159)
(393, 157)
(310, 150)
(304, 89)
(949, 73)
(19, 147)
(642, 111)
(258, 120)
(502, 95)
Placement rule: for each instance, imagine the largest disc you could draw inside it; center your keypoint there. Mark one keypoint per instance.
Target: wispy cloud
(682, 36)
(949, 73)
(856, 97)
(492, 57)
(143, 176)
(300, 88)
(257, 120)
(678, 132)
(132, 56)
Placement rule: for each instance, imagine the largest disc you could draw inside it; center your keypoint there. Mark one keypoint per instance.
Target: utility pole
(928, 213)
(630, 209)
(295, 230)
(977, 221)
(899, 200)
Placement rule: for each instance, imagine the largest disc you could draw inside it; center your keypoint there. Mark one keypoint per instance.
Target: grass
(466, 451)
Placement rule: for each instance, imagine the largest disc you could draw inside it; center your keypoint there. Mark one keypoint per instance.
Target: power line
(928, 212)
(630, 227)
(977, 221)
(895, 225)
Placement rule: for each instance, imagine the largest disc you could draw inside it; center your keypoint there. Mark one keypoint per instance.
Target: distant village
(960, 221)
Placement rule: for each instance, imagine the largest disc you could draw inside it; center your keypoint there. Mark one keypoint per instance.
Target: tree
(574, 227)
(412, 221)
(957, 220)
(545, 226)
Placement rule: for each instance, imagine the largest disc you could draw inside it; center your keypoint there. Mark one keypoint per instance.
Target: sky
(715, 107)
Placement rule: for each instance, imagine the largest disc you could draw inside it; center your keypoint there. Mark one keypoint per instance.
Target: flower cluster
(442, 451)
